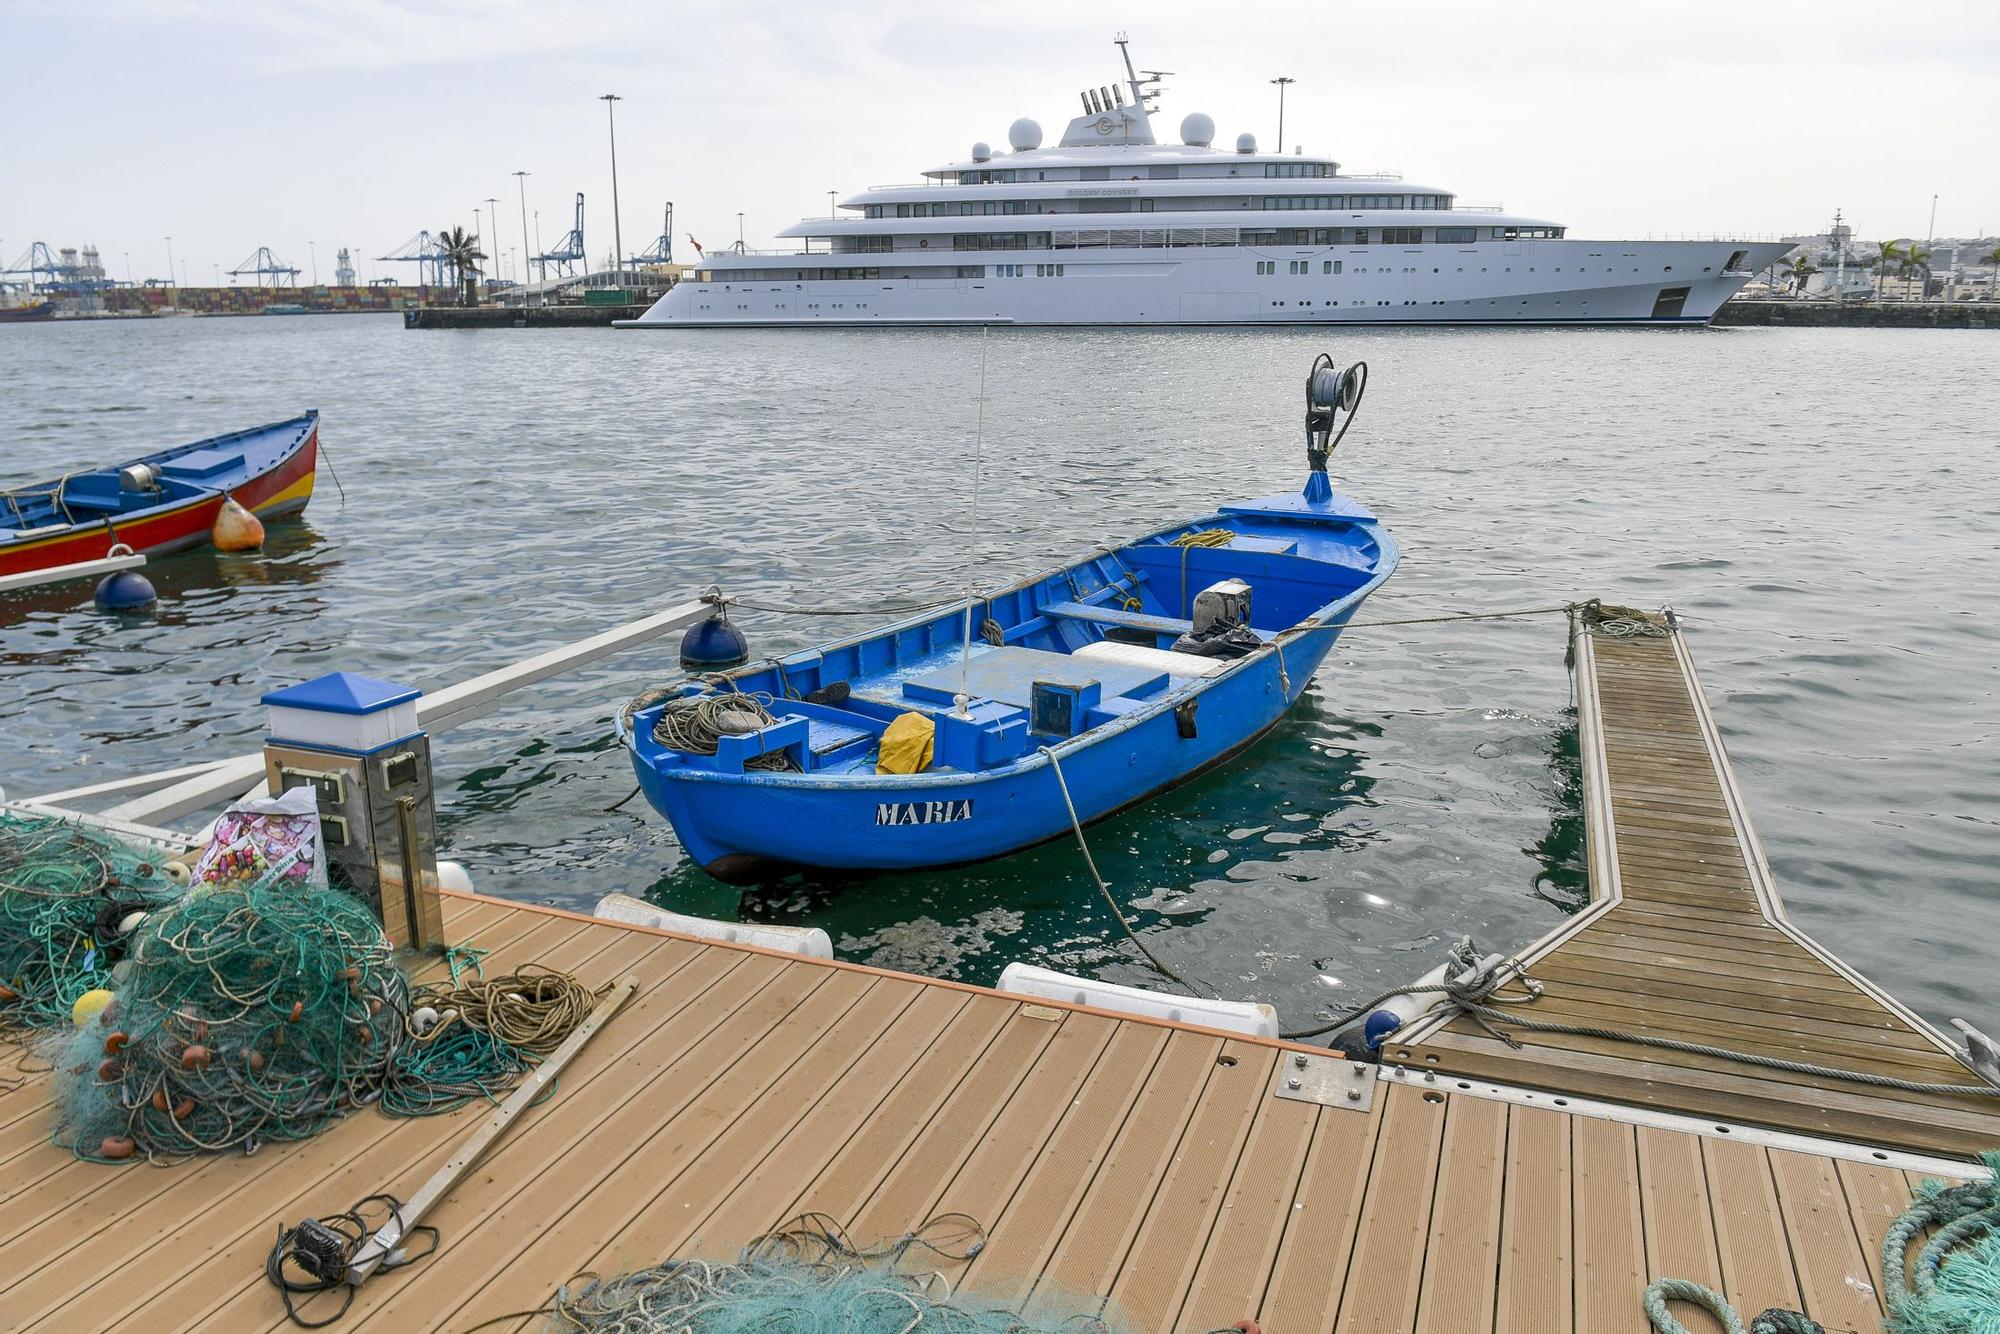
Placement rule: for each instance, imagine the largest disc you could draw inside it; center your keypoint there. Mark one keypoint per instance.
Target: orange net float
(236, 528)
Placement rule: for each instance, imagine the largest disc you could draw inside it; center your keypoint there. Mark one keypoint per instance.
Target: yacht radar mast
(1108, 120)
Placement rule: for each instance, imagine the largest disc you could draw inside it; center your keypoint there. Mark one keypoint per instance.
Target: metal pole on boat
(962, 703)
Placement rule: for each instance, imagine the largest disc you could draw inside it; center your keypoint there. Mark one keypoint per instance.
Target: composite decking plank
(201, 1301)
(1680, 1225)
(1536, 1237)
(511, 1257)
(1835, 1279)
(854, 1102)
(1159, 1270)
(68, 1180)
(329, 1173)
(154, 1204)
(1387, 1266)
(1316, 1253)
(1609, 1228)
(1000, 1114)
(979, 1038)
(1147, 1079)
(1757, 1270)
(1234, 1275)
(1462, 1257)
(1876, 1197)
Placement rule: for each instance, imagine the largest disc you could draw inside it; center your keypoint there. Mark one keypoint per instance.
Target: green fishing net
(248, 1013)
(64, 891)
(805, 1279)
(1952, 1283)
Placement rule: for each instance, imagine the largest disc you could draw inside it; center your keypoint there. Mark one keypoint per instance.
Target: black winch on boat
(1329, 392)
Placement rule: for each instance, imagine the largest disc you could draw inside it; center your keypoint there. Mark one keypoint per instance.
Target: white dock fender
(806, 941)
(1251, 1018)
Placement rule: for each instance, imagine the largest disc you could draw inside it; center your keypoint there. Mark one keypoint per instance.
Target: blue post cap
(342, 692)
(1379, 1025)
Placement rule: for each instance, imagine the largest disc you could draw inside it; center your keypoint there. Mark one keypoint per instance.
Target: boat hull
(1013, 765)
(932, 820)
(280, 485)
(1491, 282)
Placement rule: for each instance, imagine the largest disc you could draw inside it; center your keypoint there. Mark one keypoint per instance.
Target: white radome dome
(981, 151)
(1198, 130)
(1246, 143)
(1024, 134)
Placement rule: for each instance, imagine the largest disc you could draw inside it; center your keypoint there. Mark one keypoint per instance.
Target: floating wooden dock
(1186, 1177)
(1686, 939)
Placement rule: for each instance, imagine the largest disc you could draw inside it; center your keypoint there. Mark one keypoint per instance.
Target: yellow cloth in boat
(906, 745)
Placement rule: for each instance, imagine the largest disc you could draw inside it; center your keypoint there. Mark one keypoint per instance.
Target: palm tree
(460, 249)
(1916, 261)
(1891, 256)
(1798, 271)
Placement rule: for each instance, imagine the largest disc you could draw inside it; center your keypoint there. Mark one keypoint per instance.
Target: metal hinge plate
(1330, 1081)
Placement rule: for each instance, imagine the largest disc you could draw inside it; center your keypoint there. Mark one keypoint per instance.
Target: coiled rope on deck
(696, 724)
(1774, 1321)
(1953, 1287)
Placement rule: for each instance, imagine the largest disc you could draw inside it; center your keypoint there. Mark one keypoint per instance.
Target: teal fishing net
(248, 1013)
(1952, 1284)
(64, 892)
(806, 1279)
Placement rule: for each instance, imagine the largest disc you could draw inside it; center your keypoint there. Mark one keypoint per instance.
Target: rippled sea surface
(1822, 506)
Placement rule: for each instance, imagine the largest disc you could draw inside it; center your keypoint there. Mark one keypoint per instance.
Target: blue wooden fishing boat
(1037, 708)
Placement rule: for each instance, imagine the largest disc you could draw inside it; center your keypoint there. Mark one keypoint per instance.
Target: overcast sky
(230, 125)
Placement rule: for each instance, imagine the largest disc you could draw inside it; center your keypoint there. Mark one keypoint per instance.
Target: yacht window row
(1168, 172)
(1082, 238)
(976, 208)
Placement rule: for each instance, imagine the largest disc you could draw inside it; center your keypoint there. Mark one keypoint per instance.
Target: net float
(236, 528)
(159, 1100)
(195, 1057)
(109, 1069)
(178, 872)
(89, 1005)
(256, 1062)
(117, 1146)
(8, 993)
(183, 1109)
(298, 1008)
(117, 1042)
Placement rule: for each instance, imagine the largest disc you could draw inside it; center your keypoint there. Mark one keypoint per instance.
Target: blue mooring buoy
(126, 590)
(1380, 1024)
(713, 643)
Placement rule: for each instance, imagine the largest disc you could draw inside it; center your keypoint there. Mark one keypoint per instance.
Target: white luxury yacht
(1112, 227)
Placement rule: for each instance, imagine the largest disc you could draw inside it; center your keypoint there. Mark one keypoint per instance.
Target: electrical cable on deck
(313, 1257)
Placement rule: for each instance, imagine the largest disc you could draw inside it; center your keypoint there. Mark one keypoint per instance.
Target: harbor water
(1819, 505)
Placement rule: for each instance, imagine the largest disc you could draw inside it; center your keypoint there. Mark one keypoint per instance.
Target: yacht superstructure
(1109, 226)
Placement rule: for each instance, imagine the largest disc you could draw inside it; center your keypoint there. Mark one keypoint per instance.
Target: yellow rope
(1201, 537)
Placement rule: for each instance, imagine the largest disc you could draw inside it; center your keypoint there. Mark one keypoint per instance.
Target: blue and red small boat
(1022, 715)
(159, 503)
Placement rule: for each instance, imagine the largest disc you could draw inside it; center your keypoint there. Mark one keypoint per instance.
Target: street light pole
(312, 247)
(1282, 81)
(611, 101)
(493, 212)
(521, 179)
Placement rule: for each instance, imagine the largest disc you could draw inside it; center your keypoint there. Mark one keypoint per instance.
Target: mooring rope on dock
(1117, 913)
(1493, 1016)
